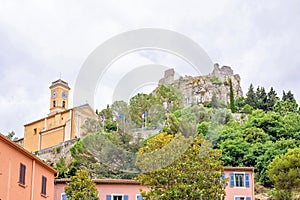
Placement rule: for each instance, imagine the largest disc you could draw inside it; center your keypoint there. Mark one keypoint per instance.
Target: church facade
(61, 124)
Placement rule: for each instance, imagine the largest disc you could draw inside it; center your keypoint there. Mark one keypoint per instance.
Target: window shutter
(125, 197)
(139, 197)
(247, 180)
(22, 174)
(248, 198)
(232, 180)
(223, 177)
(108, 197)
(44, 185)
(237, 198)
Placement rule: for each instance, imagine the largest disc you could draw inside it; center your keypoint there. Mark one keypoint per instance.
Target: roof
(239, 168)
(26, 153)
(103, 181)
(61, 83)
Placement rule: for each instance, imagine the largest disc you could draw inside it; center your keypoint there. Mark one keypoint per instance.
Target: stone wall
(52, 154)
(200, 89)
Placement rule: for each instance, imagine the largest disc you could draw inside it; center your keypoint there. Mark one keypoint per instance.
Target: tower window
(54, 105)
(63, 104)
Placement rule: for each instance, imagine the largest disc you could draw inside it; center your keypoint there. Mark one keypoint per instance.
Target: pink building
(23, 175)
(240, 186)
(109, 189)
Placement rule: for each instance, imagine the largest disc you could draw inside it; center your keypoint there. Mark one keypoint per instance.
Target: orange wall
(31, 139)
(52, 132)
(10, 159)
(52, 138)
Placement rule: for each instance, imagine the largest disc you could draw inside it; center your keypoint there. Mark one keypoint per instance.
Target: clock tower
(59, 97)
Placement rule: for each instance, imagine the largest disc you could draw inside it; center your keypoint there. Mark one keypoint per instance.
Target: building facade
(108, 189)
(61, 124)
(240, 186)
(22, 175)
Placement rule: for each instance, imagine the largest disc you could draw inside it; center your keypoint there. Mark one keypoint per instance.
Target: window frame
(243, 181)
(44, 186)
(245, 197)
(138, 195)
(246, 179)
(122, 195)
(22, 175)
(62, 194)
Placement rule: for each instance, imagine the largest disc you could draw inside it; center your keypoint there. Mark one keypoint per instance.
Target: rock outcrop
(200, 89)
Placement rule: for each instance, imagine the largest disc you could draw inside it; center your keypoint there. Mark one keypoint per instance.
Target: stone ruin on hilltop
(200, 89)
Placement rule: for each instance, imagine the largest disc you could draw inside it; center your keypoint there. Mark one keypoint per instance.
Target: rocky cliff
(200, 89)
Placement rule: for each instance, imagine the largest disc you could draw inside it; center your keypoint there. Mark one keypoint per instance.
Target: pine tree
(232, 106)
(251, 97)
(272, 99)
(261, 98)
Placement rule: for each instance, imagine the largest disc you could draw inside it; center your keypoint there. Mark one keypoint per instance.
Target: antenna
(59, 75)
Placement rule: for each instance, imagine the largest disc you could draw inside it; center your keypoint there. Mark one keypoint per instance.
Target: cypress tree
(232, 106)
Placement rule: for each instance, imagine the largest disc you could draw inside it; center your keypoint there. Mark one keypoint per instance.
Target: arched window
(54, 105)
(63, 104)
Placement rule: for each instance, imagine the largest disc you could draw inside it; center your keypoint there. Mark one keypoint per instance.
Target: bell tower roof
(59, 82)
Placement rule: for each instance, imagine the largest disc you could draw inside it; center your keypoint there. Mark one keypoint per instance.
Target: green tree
(139, 104)
(251, 97)
(214, 101)
(284, 171)
(261, 98)
(240, 102)
(272, 99)
(171, 95)
(183, 178)
(11, 136)
(232, 105)
(81, 187)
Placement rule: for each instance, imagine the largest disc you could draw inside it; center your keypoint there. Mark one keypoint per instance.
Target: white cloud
(41, 39)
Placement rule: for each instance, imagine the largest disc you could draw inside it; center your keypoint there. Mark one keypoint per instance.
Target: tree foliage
(284, 171)
(81, 187)
(196, 174)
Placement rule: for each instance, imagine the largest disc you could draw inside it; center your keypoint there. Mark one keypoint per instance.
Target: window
(242, 198)
(116, 197)
(22, 174)
(239, 180)
(35, 131)
(63, 196)
(63, 104)
(44, 185)
(139, 197)
(54, 105)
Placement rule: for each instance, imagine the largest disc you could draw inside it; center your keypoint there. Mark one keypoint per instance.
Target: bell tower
(59, 96)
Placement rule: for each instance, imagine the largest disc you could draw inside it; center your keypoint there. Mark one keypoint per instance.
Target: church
(61, 124)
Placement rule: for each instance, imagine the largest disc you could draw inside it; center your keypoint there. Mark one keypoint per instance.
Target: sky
(41, 41)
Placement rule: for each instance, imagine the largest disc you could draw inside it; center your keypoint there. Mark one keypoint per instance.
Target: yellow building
(61, 124)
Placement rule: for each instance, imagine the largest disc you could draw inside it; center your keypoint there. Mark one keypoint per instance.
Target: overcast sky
(41, 39)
